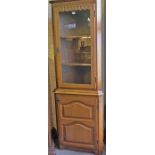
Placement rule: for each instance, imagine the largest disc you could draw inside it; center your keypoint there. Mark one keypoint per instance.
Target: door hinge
(94, 13)
(97, 142)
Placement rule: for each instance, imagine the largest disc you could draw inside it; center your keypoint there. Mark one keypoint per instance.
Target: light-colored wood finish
(74, 6)
(99, 44)
(51, 147)
(51, 68)
(101, 125)
(58, 1)
(76, 64)
(74, 37)
(80, 107)
(78, 92)
(78, 117)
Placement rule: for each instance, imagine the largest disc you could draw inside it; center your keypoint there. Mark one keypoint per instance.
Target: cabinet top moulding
(65, 6)
(58, 1)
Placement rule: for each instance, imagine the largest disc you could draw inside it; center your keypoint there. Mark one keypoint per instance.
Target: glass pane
(75, 46)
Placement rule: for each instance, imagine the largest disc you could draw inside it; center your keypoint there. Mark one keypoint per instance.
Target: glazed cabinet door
(77, 121)
(74, 33)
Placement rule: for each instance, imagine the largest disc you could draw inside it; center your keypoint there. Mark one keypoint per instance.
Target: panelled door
(77, 121)
(74, 33)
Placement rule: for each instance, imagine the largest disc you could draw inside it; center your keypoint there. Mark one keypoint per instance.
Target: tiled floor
(68, 152)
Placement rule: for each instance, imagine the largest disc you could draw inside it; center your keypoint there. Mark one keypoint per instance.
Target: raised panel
(77, 121)
(78, 109)
(78, 133)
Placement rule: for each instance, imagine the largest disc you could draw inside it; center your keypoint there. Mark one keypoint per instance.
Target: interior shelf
(77, 64)
(76, 37)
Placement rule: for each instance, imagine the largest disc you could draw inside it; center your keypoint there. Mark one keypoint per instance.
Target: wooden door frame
(71, 6)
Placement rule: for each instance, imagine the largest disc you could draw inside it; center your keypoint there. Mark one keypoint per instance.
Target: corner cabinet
(78, 62)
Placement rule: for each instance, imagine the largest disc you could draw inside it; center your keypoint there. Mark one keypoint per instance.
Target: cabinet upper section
(75, 44)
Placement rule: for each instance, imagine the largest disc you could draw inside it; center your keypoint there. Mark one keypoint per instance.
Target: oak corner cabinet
(79, 74)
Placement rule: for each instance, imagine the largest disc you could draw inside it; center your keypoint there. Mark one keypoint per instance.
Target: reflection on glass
(75, 46)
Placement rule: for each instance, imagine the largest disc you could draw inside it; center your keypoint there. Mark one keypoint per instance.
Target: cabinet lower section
(80, 122)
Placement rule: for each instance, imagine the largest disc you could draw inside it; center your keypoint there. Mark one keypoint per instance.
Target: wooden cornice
(58, 1)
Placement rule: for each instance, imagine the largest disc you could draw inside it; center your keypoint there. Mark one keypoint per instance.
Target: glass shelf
(77, 64)
(76, 37)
